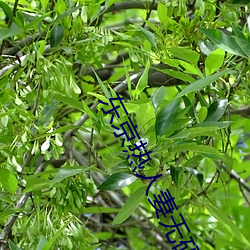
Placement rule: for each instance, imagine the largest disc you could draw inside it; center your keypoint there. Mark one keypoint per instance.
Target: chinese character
(168, 200)
(184, 243)
(114, 108)
(176, 226)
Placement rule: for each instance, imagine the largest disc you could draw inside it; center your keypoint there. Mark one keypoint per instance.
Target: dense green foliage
(182, 68)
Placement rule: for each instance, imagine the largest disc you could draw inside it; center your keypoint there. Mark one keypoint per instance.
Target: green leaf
(197, 85)
(129, 207)
(166, 117)
(70, 101)
(8, 180)
(186, 54)
(198, 175)
(9, 211)
(189, 68)
(13, 246)
(117, 181)
(223, 41)
(193, 132)
(41, 243)
(188, 104)
(158, 97)
(219, 125)
(147, 35)
(100, 97)
(202, 114)
(194, 161)
(104, 89)
(204, 150)
(177, 74)
(56, 35)
(98, 210)
(35, 183)
(238, 33)
(214, 61)
(244, 45)
(174, 172)
(49, 110)
(66, 172)
(36, 21)
(143, 81)
(7, 10)
(44, 3)
(216, 110)
(227, 223)
(49, 244)
(162, 12)
(207, 46)
(9, 32)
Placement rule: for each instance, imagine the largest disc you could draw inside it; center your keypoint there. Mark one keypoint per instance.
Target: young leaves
(214, 61)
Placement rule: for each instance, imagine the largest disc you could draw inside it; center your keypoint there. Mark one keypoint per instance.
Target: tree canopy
(74, 175)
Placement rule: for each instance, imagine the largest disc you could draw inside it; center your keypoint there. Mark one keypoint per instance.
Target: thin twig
(244, 195)
(37, 97)
(235, 176)
(148, 14)
(21, 44)
(9, 24)
(16, 63)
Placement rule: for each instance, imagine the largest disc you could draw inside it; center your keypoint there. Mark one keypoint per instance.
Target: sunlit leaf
(214, 61)
(185, 54)
(223, 41)
(158, 97)
(8, 180)
(117, 181)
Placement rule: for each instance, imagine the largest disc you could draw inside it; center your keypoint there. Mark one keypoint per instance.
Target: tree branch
(20, 203)
(16, 63)
(21, 44)
(235, 176)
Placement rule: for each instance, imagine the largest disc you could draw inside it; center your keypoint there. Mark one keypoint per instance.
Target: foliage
(182, 68)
